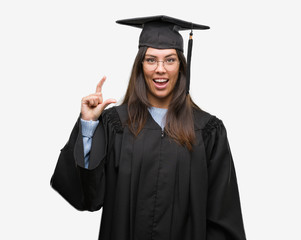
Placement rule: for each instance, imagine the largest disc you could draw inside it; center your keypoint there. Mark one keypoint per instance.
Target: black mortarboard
(163, 32)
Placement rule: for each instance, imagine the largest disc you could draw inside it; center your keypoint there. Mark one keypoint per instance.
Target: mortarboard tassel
(188, 62)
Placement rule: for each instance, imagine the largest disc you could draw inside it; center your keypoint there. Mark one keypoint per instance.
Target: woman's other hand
(93, 105)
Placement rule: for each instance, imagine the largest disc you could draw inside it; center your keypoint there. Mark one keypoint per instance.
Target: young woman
(159, 166)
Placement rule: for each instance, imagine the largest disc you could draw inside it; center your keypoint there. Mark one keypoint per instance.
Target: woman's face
(160, 76)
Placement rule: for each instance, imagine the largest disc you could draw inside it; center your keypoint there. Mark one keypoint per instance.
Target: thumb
(106, 103)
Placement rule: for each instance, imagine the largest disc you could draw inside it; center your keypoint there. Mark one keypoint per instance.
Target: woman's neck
(159, 102)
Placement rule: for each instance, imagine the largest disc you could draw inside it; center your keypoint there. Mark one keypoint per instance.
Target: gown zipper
(153, 221)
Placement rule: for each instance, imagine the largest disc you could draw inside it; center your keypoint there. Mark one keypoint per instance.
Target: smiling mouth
(160, 81)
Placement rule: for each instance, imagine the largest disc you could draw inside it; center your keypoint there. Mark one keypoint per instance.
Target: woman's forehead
(160, 52)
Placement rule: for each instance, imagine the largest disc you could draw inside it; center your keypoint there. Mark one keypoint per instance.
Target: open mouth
(160, 82)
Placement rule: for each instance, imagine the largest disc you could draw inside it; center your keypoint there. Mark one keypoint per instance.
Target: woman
(160, 167)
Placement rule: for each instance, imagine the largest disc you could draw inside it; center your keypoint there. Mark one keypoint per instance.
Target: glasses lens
(169, 64)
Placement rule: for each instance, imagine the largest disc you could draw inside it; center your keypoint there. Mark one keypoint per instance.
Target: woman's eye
(170, 60)
(150, 60)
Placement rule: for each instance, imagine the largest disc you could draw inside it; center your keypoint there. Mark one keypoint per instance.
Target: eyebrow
(149, 55)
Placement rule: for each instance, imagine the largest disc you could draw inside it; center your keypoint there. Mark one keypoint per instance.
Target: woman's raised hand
(93, 105)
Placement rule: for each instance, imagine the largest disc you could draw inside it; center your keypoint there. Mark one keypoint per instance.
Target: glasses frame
(155, 66)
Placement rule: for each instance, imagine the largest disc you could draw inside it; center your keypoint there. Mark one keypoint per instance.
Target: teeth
(160, 80)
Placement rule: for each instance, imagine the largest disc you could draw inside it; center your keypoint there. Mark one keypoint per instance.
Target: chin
(162, 96)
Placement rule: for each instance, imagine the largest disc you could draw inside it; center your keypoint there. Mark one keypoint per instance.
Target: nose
(160, 66)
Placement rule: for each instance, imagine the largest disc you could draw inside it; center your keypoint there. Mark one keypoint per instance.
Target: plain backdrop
(245, 70)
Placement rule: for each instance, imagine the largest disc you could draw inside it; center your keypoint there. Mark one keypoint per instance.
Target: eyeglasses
(169, 64)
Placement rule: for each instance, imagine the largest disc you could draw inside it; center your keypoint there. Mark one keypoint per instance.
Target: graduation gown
(150, 187)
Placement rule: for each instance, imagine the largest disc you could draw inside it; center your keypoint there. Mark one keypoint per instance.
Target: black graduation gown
(150, 187)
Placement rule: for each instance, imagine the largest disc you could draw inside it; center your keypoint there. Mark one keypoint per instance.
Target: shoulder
(203, 118)
(122, 111)
(115, 117)
(205, 121)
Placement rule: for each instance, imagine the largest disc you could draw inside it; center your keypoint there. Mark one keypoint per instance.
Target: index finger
(99, 85)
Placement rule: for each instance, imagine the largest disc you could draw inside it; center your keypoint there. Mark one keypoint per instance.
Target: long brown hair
(179, 119)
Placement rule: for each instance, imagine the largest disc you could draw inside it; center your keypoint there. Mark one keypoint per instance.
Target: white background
(245, 70)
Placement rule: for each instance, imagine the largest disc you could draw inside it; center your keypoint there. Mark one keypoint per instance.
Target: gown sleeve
(224, 216)
(84, 188)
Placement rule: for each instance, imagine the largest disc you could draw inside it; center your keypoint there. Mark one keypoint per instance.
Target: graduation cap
(162, 32)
